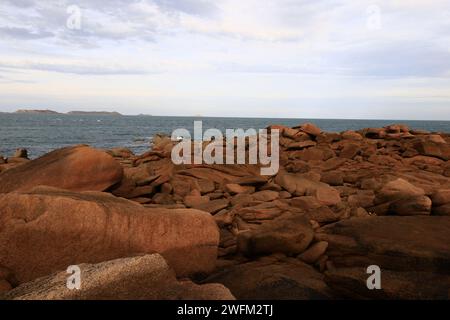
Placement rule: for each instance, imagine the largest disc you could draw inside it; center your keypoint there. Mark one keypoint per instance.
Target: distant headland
(97, 113)
(36, 111)
(82, 113)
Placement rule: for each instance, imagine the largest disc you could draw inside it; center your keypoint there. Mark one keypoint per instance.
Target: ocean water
(43, 133)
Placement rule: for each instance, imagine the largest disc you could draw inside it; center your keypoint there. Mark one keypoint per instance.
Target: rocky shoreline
(141, 227)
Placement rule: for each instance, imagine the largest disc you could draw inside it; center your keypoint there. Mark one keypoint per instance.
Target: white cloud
(231, 50)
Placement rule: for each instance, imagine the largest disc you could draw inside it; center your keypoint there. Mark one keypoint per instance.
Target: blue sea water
(42, 133)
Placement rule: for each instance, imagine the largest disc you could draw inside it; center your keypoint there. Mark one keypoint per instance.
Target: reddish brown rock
(78, 168)
(206, 186)
(441, 197)
(333, 178)
(306, 203)
(351, 135)
(333, 164)
(433, 149)
(120, 153)
(413, 206)
(51, 229)
(351, 283)
(374, 133)
(311, 129)
(195, 201)
(273, 279)
(266, 195)
(397, 189)
(5, 286)
(213, 206)
(300, 186)
(414, 243)
(301, 145)
(314, 252)
(350, 150)
(323, 215)
(311, 154)
(443, 210)
(160, 198)
(405, 248)
(290, 234)
(361, 199)
(234, 188)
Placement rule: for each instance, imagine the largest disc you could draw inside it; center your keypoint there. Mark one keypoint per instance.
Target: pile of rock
(339, 203)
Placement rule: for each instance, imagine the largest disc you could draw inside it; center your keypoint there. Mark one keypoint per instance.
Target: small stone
(195, 201)
(234, 188)
(441, 197)
(166, 188)
(5, 286)
(266, 195)
(333, 178)
(350, 151)
(213, 206)
(21, 153)
(306, 203)
(313, 253)
(224, 218)
(310, 129)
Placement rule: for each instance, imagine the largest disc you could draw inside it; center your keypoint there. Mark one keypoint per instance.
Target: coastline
(41, 134)
(341, 202)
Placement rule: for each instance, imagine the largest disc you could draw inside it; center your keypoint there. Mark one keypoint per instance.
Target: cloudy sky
(258, 58)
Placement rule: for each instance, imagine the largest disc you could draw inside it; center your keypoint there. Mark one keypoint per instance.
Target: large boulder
(411, 243)
(418, 205)
(78, 168)
(433, 149)
(46, 230)
(146, 277)
(289, 234)
(300, 186)
(269, 279)
(397, 189)
(351, 283)
(412, 253)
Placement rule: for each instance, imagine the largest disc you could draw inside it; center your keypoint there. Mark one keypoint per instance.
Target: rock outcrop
(410, 252)
(146, 277)
(339, 203)
(79, 168)
(50, 229)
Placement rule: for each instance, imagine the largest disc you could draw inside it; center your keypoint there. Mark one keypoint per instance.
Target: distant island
(96, 113)
(79, 113)
(36, 111)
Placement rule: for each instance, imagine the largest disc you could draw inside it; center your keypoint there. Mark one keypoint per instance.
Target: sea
(41, 133)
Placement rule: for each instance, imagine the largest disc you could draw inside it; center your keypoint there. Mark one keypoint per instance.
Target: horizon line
(206, 116)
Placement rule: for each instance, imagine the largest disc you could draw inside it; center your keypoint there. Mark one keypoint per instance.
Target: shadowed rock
(140, 278)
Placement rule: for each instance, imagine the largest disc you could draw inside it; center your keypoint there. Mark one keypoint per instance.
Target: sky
(239, 58)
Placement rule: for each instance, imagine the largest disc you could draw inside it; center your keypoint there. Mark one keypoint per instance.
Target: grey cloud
(197, 7)
(401, 59)
(24, 33)
(82, 69)
(21, 3)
